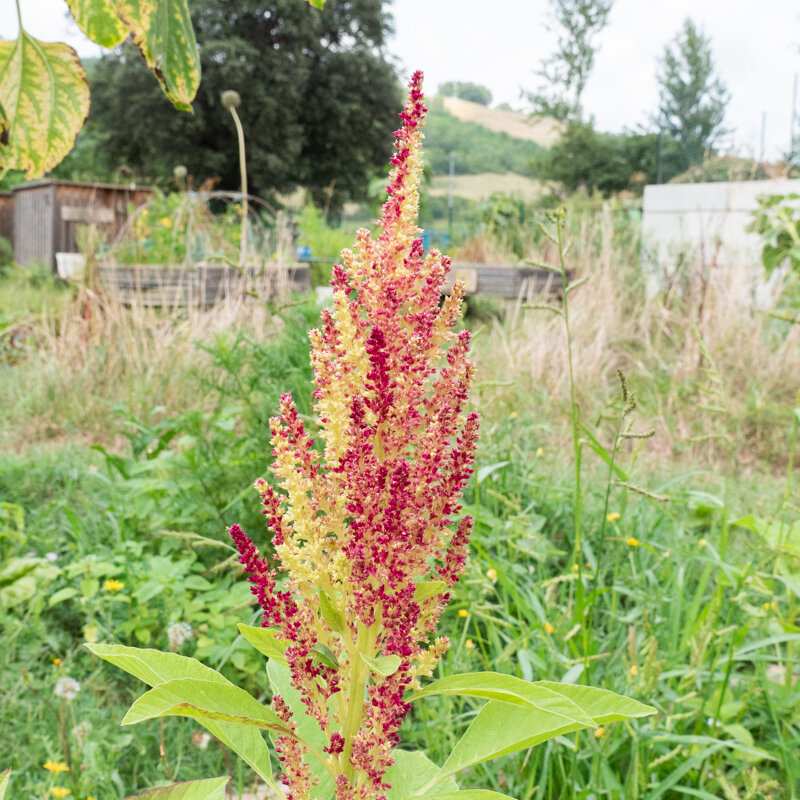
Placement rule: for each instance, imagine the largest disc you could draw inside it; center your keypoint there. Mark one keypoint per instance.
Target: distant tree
(319, 100)
(473, 92)
(566, 72)
(692, 99)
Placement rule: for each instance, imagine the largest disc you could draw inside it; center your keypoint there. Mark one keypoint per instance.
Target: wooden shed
(7, 216)
(47, 214)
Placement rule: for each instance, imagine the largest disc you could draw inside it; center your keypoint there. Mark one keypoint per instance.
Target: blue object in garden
(303, 253)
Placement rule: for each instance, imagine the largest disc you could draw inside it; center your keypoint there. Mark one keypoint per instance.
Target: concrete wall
(693, 224)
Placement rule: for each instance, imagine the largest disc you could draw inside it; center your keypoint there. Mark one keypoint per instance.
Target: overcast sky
(500, 43)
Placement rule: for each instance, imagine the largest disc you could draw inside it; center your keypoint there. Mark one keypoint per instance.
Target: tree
(692, 99)
(473, 92)
(567, 71)
(318, 100)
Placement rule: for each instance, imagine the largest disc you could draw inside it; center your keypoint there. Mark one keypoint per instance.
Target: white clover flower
(51, 556)
(178, 633)
(67, 688)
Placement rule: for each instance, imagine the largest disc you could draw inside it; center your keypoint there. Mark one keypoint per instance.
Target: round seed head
(231, 99)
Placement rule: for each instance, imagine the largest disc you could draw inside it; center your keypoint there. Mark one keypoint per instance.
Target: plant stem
(243, 171)
(19, 16)
(355, 710)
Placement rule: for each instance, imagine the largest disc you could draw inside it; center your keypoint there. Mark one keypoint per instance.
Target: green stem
(19, 16)
(355, 710)
(243, 171)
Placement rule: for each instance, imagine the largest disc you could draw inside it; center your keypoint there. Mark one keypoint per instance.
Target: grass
(680, 588)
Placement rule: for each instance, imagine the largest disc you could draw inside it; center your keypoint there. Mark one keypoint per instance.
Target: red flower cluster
(362, 527)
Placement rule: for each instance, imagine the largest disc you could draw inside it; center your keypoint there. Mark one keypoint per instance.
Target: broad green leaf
(199, 699)
(99, 20)
(468, 794)
(600, 704)
(162, 30)
(265, 641)
(411, 771)
(308, 730)
(426, 589)
(208, 789)
(502, 728)
(5, 777)
(320, 4)
(383, 665)
(494, 686)
(331, 615)
(156, 668)
(67, 593)
(325, 655)
(45, 95)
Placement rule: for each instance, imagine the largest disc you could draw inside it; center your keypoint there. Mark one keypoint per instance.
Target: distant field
(481, 186)
(544, 132)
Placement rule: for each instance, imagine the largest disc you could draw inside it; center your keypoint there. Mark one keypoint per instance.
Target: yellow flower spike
(634, 671)
(548, 628)
(491, 574)
(60, 791)
(113, 585)
(539, 452)
(469, 644)
(56, 767)
(632, 541)
(600, 733)
(612, 516)
(462, 612)
(702, 543)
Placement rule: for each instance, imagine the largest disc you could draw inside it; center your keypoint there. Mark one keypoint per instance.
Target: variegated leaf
(45, 94)
(162, 30)
(320, 4)
(99, 20)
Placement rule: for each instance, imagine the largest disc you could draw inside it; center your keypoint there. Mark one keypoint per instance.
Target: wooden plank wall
(7, 216)
(33, 224)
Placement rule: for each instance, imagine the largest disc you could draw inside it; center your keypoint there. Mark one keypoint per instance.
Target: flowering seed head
(365, 517)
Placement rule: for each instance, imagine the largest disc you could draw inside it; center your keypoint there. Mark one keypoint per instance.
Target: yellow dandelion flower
(702, 543)
(632, 541)
(60, 791)
(513, 415)
(612, 516)
(55, 767)
(575, 567)
(462, 612)
(469, 644)
(539, 452)
(56, 661)
(491, 574)
(166, 222)
(600, 733)
(548, 628)
(773, 606)
(634, 671)
(113, 585)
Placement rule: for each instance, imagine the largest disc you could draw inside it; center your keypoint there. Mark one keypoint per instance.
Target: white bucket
(70, 264)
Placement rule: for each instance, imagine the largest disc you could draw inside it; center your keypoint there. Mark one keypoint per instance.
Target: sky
(500, 44)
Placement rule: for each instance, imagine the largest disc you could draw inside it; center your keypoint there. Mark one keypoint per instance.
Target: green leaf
(469, 794)
(600, 704)
(67, 593)
(99, 20)
(45, 95)
(199, 699)
(5, 777)
(325, 655)
(502, 728)
(320, 4)
(333, 618)
(412, 771)
(426, 589)
(156, 668)
(494, 686)
(4, 131)
(593, 444)
(308, 730)
(162, 30)
(265, 641)
(208, 789)
(382, 665)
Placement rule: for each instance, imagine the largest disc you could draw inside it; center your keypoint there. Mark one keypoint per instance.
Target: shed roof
(128, 187)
